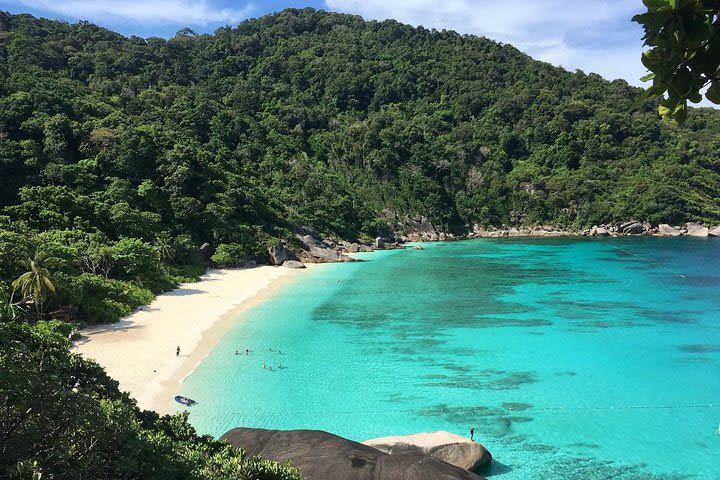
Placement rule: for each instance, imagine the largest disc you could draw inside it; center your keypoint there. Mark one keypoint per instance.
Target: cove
(572, 358)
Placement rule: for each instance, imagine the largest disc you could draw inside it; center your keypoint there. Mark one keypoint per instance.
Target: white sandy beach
(139, 351)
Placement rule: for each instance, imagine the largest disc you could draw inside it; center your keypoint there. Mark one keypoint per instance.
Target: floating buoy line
(491, 411)
(646, 260)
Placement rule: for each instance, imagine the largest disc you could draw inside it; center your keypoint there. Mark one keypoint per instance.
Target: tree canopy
(120, 156)
(63, 417)
(684, 36)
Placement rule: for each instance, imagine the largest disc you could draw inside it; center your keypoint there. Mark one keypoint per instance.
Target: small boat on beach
(185, 400)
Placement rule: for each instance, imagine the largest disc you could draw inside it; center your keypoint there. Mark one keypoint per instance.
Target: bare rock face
(318, 251)
(324, 456)
(714, 232)
(697, 230)
(445, 446)
(631, 228)
(666, 230)
(278, 254)
(206, 251)
(599, 231)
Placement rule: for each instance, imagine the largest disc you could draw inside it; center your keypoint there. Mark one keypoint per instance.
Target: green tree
(684, 36)
(37, 283)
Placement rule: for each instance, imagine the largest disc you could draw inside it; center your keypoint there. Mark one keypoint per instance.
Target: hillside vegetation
(119, 156)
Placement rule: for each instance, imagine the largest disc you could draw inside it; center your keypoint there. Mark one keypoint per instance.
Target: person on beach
(472, 433)
(177, 351)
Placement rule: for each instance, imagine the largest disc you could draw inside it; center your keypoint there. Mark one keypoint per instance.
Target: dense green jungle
(120, 156)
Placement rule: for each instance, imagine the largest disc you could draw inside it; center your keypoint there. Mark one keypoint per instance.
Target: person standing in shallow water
(177, 351)
(472, 433)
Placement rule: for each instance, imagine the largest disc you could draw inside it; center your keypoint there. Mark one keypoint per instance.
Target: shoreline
(139, 350)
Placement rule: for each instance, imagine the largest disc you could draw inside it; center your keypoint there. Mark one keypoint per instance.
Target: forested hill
(325, 120)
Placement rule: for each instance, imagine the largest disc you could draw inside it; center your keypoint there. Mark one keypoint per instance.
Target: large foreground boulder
(324, 456)
(445, 446)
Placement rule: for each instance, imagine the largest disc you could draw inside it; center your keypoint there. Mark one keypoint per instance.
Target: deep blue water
(572, 358)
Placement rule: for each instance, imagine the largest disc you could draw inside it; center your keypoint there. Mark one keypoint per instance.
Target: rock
(697, 230)
(247, 264)
(379, 242)
(206, 252)
(417, 247)
(513, 232)
(631, 228)
(714, 232)
(293, 264)
(599, 231)
(351, 247)
(324, 456)
(448, 447)
(667, 231)
(319, 251)
(278, 254)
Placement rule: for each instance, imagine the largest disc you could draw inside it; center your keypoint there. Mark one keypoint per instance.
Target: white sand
(139, 351)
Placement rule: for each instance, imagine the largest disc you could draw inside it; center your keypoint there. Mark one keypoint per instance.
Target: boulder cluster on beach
(315, 249)
(321, 455)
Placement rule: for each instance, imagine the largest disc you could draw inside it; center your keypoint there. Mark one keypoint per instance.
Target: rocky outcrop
(631, 228)
(293, 264)
(697, 230)
(714, 232)
(278, 254)
(666, 230)
(448, 447)
(411, 229)
(206, 252)
(324, 456)
(316, 250)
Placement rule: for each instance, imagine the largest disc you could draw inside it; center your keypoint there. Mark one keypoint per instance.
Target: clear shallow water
(572, 358)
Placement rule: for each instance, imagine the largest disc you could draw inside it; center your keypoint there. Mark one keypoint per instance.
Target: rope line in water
(646, 260)
(511, 413)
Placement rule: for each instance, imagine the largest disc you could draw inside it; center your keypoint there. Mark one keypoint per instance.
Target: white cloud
(186, 12)
(592, 35)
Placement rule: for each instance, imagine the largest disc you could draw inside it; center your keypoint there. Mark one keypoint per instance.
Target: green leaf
(673, 3)
(682, 82)
(647, 77)
(652, 60)
(663, 111)
(656, 5)
(698, 30)
(695, 97)
(713, 93)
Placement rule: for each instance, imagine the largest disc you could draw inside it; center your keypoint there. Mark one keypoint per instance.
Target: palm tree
(164, 246)
(7, 311)
(36, 283)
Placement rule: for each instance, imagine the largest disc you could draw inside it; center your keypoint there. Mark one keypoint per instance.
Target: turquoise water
(572, 358)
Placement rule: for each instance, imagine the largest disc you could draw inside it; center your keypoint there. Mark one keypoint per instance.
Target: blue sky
(592, 35)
